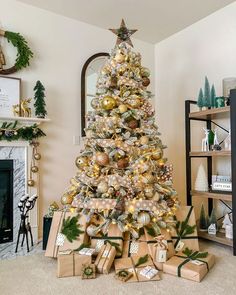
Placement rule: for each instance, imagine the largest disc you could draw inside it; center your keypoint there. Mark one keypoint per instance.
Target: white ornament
(102, 187)
(91, 230)
(144, 218)
(201, 182)
(205, 141)
(227, 142)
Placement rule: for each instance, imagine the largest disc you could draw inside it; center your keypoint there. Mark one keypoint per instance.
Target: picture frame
(10, 94)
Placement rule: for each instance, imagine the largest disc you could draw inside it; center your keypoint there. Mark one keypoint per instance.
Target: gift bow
(191, 255)
(159, 242)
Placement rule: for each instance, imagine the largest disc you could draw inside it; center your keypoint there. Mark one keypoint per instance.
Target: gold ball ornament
(157, 154)
(37, 156)
(34, 169)
(102, 187)
(122, 108)
(123, 163)
(66, 199)
(108, 103)
(144, 140)
(119, 58)
(102, 159)
(81, 162)
(145, 72)
(149, 191)
(148, 177)
(143, 218)
(156, 197)
(145, 81)
(30, 182)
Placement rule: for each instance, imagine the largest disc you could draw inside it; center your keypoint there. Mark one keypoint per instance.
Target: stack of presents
(134, 260)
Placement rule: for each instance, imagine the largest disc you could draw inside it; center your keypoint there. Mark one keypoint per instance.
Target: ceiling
(154, 19)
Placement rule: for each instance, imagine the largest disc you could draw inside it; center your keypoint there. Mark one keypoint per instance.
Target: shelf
(219, 238)
(25, 119)
(219, 195)
(210, 154)
(209, 114)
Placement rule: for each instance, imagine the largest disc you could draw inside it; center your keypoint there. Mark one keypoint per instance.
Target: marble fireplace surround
(20, 153)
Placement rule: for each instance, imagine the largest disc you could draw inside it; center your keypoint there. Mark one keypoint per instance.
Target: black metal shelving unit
(208, 117)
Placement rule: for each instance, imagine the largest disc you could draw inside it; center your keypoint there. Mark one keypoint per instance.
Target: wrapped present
(105, 258)
(136, 265)
(86, 251)
(114, 235)
(154, 247)
(185, 233)
(189, 264)
(70, 263)
(134, 247)
(148, 272)
(58, 241)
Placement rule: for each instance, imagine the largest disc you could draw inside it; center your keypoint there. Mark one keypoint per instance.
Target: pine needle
(142, 260)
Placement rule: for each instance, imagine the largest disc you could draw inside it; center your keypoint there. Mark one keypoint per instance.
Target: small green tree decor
(40, 110)
(200, 99)
(207, 94)
(213, 96)
(203, 222)
(213, 219)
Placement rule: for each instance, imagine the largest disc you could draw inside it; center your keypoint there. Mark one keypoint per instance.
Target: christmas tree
(200, 99)
(39, 104)
(203, 221)
(213, 96)
(207, 94)
(122, 174)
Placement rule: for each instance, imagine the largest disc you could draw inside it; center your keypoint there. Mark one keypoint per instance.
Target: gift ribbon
(191, 257)
(181, 235)
(105, 258)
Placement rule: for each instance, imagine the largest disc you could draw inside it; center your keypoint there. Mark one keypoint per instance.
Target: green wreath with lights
(24, 53)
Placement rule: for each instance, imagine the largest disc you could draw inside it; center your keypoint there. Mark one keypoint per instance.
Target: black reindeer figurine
(25, 205)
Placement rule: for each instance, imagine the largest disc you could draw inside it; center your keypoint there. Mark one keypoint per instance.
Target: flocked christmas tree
(203, 221)
(200, 101)
(207, 94)
(122, 174)
(40, 110)
(213, 96)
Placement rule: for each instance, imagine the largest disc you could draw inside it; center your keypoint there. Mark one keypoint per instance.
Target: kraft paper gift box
(70, 263)
(192, 269)
(185, 221)
(128, 265)
(134, 247)
(52, 246)
(114, 235)
(105, 258)
(152, 247)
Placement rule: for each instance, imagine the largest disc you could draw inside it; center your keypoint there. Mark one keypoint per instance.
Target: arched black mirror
(89, 76)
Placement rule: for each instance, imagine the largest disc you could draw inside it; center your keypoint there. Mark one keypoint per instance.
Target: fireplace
(6, 201)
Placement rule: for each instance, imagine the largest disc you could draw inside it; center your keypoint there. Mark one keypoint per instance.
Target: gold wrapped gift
(105, 258)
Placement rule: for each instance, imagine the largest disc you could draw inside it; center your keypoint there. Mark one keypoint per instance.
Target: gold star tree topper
(123, 34)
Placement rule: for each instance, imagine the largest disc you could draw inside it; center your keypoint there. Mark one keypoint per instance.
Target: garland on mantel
(10, 132)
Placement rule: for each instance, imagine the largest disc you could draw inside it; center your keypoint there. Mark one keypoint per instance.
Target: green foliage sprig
(71, 228)
(184, 229)
(10, 132)
(194, 254)
(23, 51)
(142, 260)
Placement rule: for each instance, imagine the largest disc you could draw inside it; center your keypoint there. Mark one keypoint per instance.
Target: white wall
(61, 46)
(206, 48)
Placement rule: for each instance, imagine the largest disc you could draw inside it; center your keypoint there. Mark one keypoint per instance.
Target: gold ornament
(145, 72)
(34, 169)
(161, 162)
(157, 154)
(156, 197)
(120, 58)
(123, 163)
(149, 178)
(143, 218)
(81, 162)
(102, 159)
(108, 103)
(123, 108)
(149, 191)
(102, 187)
(66, 199)
(144, 140)
(37, 156)
(31, 182)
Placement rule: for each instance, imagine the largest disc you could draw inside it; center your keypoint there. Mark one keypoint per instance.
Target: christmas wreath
(24, 54)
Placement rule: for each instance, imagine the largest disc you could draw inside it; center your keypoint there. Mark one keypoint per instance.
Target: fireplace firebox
(6, 201)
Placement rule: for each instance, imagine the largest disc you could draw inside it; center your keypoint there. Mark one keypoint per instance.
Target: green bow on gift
(191, 255)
